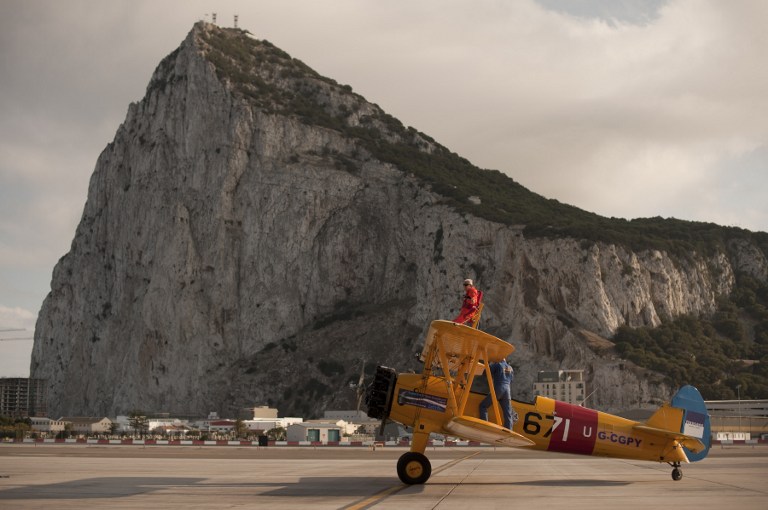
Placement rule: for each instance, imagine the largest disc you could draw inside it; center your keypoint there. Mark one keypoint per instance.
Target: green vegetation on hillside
(716, 354)
(289, 87)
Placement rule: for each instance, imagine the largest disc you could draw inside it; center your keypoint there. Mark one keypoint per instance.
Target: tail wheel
(413, 468)
(677, 474)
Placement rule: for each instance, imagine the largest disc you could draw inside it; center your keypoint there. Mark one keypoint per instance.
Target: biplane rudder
(695, 419)
(686, 414)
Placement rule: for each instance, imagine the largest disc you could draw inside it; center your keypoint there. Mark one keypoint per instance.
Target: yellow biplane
(440, 400)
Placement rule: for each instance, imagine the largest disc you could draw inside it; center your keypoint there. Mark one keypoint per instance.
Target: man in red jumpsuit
(472, 298)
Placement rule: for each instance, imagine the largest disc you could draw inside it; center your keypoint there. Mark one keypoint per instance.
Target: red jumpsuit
(469, 306)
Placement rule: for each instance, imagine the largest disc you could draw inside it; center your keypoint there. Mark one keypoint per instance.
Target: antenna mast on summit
(235, 20)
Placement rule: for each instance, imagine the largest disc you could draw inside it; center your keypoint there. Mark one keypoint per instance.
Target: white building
(167, 425)
(353, 422)
(264, 412)
(739, 420)
(88, 424)
(564, 385)
(47, 425)
(221, 426)
(369, 427)
(271, 423)
(315, 431)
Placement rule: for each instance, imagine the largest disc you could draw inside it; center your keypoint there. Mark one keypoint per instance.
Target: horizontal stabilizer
(693, 444)
(474, 429)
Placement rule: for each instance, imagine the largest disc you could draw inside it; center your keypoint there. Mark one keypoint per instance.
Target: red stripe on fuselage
(574, 429)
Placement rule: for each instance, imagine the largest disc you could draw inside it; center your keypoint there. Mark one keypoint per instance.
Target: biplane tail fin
(687, 419)
(696, 419)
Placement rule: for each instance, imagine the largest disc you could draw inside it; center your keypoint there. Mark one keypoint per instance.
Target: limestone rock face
(231, 254)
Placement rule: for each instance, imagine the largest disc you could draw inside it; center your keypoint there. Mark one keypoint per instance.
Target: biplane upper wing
(457, 340)
(475, 429)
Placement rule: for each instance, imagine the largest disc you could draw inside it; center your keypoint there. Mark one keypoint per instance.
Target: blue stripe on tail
(695, 420)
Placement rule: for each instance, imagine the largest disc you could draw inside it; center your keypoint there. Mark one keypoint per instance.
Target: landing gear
(677, 473)
(413, 468)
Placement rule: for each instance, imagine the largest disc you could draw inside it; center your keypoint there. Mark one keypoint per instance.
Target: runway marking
(455, 485)
(368, 502)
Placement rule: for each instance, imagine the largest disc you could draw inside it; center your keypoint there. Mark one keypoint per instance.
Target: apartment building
(564, 385)
(21, 397)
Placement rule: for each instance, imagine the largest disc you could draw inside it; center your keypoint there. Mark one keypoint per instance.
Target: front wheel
(413, 468)
(677, 474)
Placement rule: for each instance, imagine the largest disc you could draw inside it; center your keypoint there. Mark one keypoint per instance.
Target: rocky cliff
(246, 240)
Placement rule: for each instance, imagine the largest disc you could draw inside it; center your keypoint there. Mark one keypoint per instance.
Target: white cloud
(16, 318)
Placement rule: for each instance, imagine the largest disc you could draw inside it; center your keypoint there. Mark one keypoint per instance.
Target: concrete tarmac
(185, 477)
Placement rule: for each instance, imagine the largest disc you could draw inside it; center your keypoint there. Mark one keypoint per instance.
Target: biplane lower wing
(474, 429)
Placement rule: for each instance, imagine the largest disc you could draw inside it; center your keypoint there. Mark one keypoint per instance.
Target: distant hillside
(497, 197)
(716, 353)
(259, 234)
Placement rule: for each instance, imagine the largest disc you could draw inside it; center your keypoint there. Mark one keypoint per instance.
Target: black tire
(413, 468)
(677, 474)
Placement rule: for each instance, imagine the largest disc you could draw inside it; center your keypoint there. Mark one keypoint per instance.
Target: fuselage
(550, 424)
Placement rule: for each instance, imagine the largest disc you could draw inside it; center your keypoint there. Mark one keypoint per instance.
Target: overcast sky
(624, 108)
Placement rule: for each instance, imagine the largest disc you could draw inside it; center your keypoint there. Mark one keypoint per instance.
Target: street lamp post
(738, 396)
